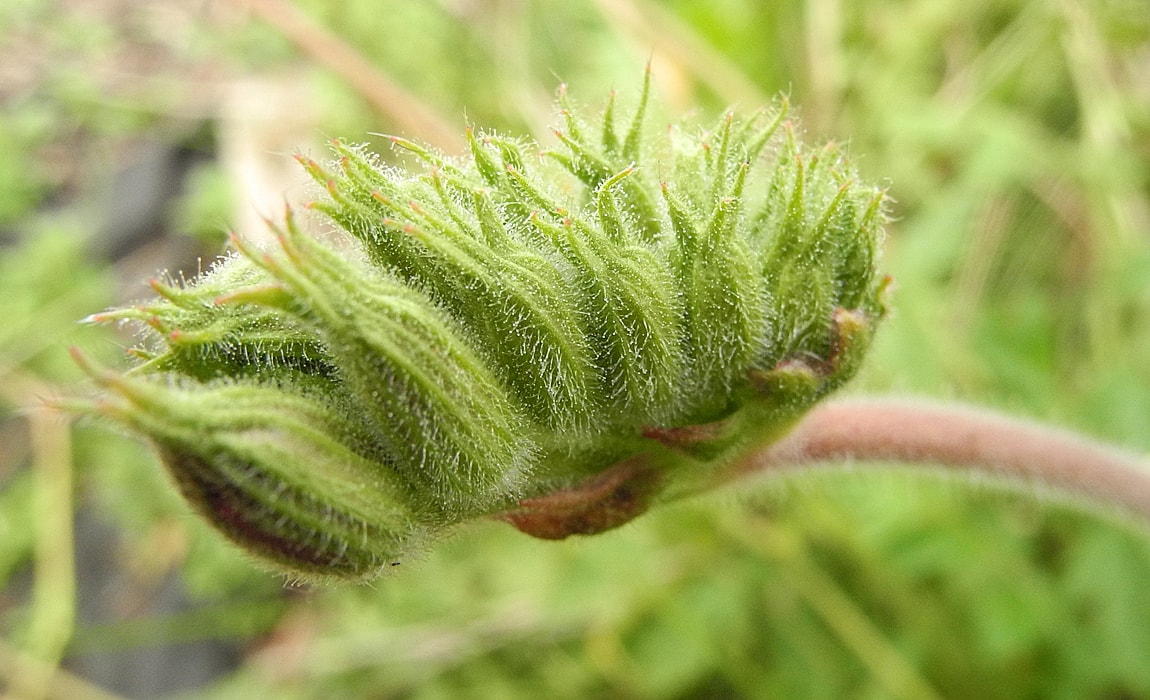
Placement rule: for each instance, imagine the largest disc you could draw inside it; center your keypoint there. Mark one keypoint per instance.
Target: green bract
(557, 338)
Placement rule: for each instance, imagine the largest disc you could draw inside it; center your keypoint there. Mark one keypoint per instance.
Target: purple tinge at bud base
(278, 471)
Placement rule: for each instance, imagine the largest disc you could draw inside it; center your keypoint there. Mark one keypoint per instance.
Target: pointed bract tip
(96, 319)
(101, 375)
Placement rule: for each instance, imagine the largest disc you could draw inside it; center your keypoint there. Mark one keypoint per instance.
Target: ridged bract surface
(496, 329)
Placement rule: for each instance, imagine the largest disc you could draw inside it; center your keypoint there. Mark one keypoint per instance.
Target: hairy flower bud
(559, 338)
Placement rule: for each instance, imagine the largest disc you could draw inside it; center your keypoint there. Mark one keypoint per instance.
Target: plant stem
(60, 683)
(408, 113)
(53, 611)
(968, 441)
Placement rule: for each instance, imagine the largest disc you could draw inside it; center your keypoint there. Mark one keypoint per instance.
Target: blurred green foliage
(1016, 139)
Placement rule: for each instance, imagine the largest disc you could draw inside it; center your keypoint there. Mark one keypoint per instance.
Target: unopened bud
(502, 338)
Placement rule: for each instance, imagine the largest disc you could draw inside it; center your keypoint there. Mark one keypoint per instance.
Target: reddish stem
(967, 441)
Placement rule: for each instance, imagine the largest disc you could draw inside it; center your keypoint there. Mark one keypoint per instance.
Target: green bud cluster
(559, 338)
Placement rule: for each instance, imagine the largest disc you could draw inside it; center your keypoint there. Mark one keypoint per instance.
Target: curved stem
(967, 441)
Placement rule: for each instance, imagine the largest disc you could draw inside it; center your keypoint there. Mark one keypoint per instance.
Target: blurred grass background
(1015, 138)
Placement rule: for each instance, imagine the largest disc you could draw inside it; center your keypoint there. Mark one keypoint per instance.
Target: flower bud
(559, 341)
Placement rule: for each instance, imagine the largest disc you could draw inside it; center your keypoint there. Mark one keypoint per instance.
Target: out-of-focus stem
(411, 115)
(15, 665)
(53, 611)
(657, 28)
(967, 441)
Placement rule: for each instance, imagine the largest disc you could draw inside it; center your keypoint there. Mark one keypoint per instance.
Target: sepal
(282, 470)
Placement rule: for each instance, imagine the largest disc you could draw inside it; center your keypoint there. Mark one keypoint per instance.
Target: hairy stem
(968, 441)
